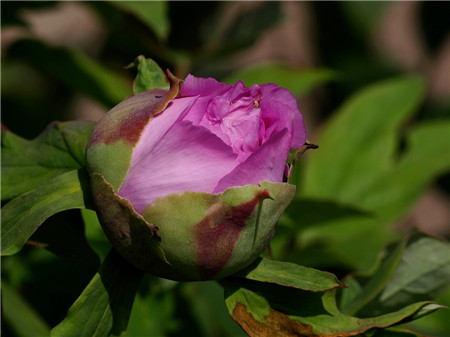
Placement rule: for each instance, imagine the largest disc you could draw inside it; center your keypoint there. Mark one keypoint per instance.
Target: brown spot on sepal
(216, 235)
(127, 120)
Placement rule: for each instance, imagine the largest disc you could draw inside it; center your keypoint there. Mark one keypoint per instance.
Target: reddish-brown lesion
(278, 324)
(216, 238)
(127, 120)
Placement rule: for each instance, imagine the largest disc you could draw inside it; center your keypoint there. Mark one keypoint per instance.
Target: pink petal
(279, 110)
(158, 127)
(239, 91)
(198, 110)
(193, 86)
(266, 163)
(186, 158)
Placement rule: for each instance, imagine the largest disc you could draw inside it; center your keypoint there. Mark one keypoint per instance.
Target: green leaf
(222, 36)
(277, 311)
(75, 70)
(363, 18)
(149, 76)
(347, 243)
(155, 14)
(423, 162)
(395, 332)
(359, 164)
(421, 273)
(377, 281)
(360, 141)
(27, 164)
(355, 239)
(103, 309)
(20, 316)
(153, 312)
(24, 214)
(63, 234)
(436, 324)
(310, 212)
(321, 226)
(361, 138)
(95, 234)
(205, 302)
(289, 275)
(297, 81)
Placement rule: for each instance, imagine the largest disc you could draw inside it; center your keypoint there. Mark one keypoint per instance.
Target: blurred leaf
(345, 243)
(359, 142)
(273, 311)
(309, 222)
(363, 16)
(12, 11)
(308, 212)
(396, 332)
(74, 69)
(436, 324)
(357, 165)
(376, 283)
(22, 318)
(153, 13)
(153, 309)
(13, 73)
(355, 240)
(63, 234)
(49, 283)
(225, 34)
(297, 81)
(24, 214)
(289, 275)
(94, 233)
(104, 307)
(27, 164)
(420, 272)
(149, 76)
(426, 157)
(205, 301)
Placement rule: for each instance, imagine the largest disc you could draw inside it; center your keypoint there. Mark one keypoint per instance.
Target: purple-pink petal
(266, 163)
(159, 126)
(186, 158)
(279, 110)
(193, 86)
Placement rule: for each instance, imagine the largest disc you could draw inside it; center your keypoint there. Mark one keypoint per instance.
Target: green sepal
(104, 158)
(208, 236)
(134, 238)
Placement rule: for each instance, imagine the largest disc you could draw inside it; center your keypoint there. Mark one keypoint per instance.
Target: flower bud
(188, 182)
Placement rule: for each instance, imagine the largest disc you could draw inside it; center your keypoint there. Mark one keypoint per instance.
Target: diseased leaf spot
(278, 324)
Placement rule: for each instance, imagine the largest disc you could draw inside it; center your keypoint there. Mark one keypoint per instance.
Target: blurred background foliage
(372, 81)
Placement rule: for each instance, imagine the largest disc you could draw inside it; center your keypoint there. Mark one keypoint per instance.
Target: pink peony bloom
(189, 182)
(211, 137)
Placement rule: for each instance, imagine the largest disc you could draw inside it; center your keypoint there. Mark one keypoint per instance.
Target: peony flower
(189, 181)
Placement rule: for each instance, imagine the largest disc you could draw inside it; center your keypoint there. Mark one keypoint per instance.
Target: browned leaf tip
(278, 324)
